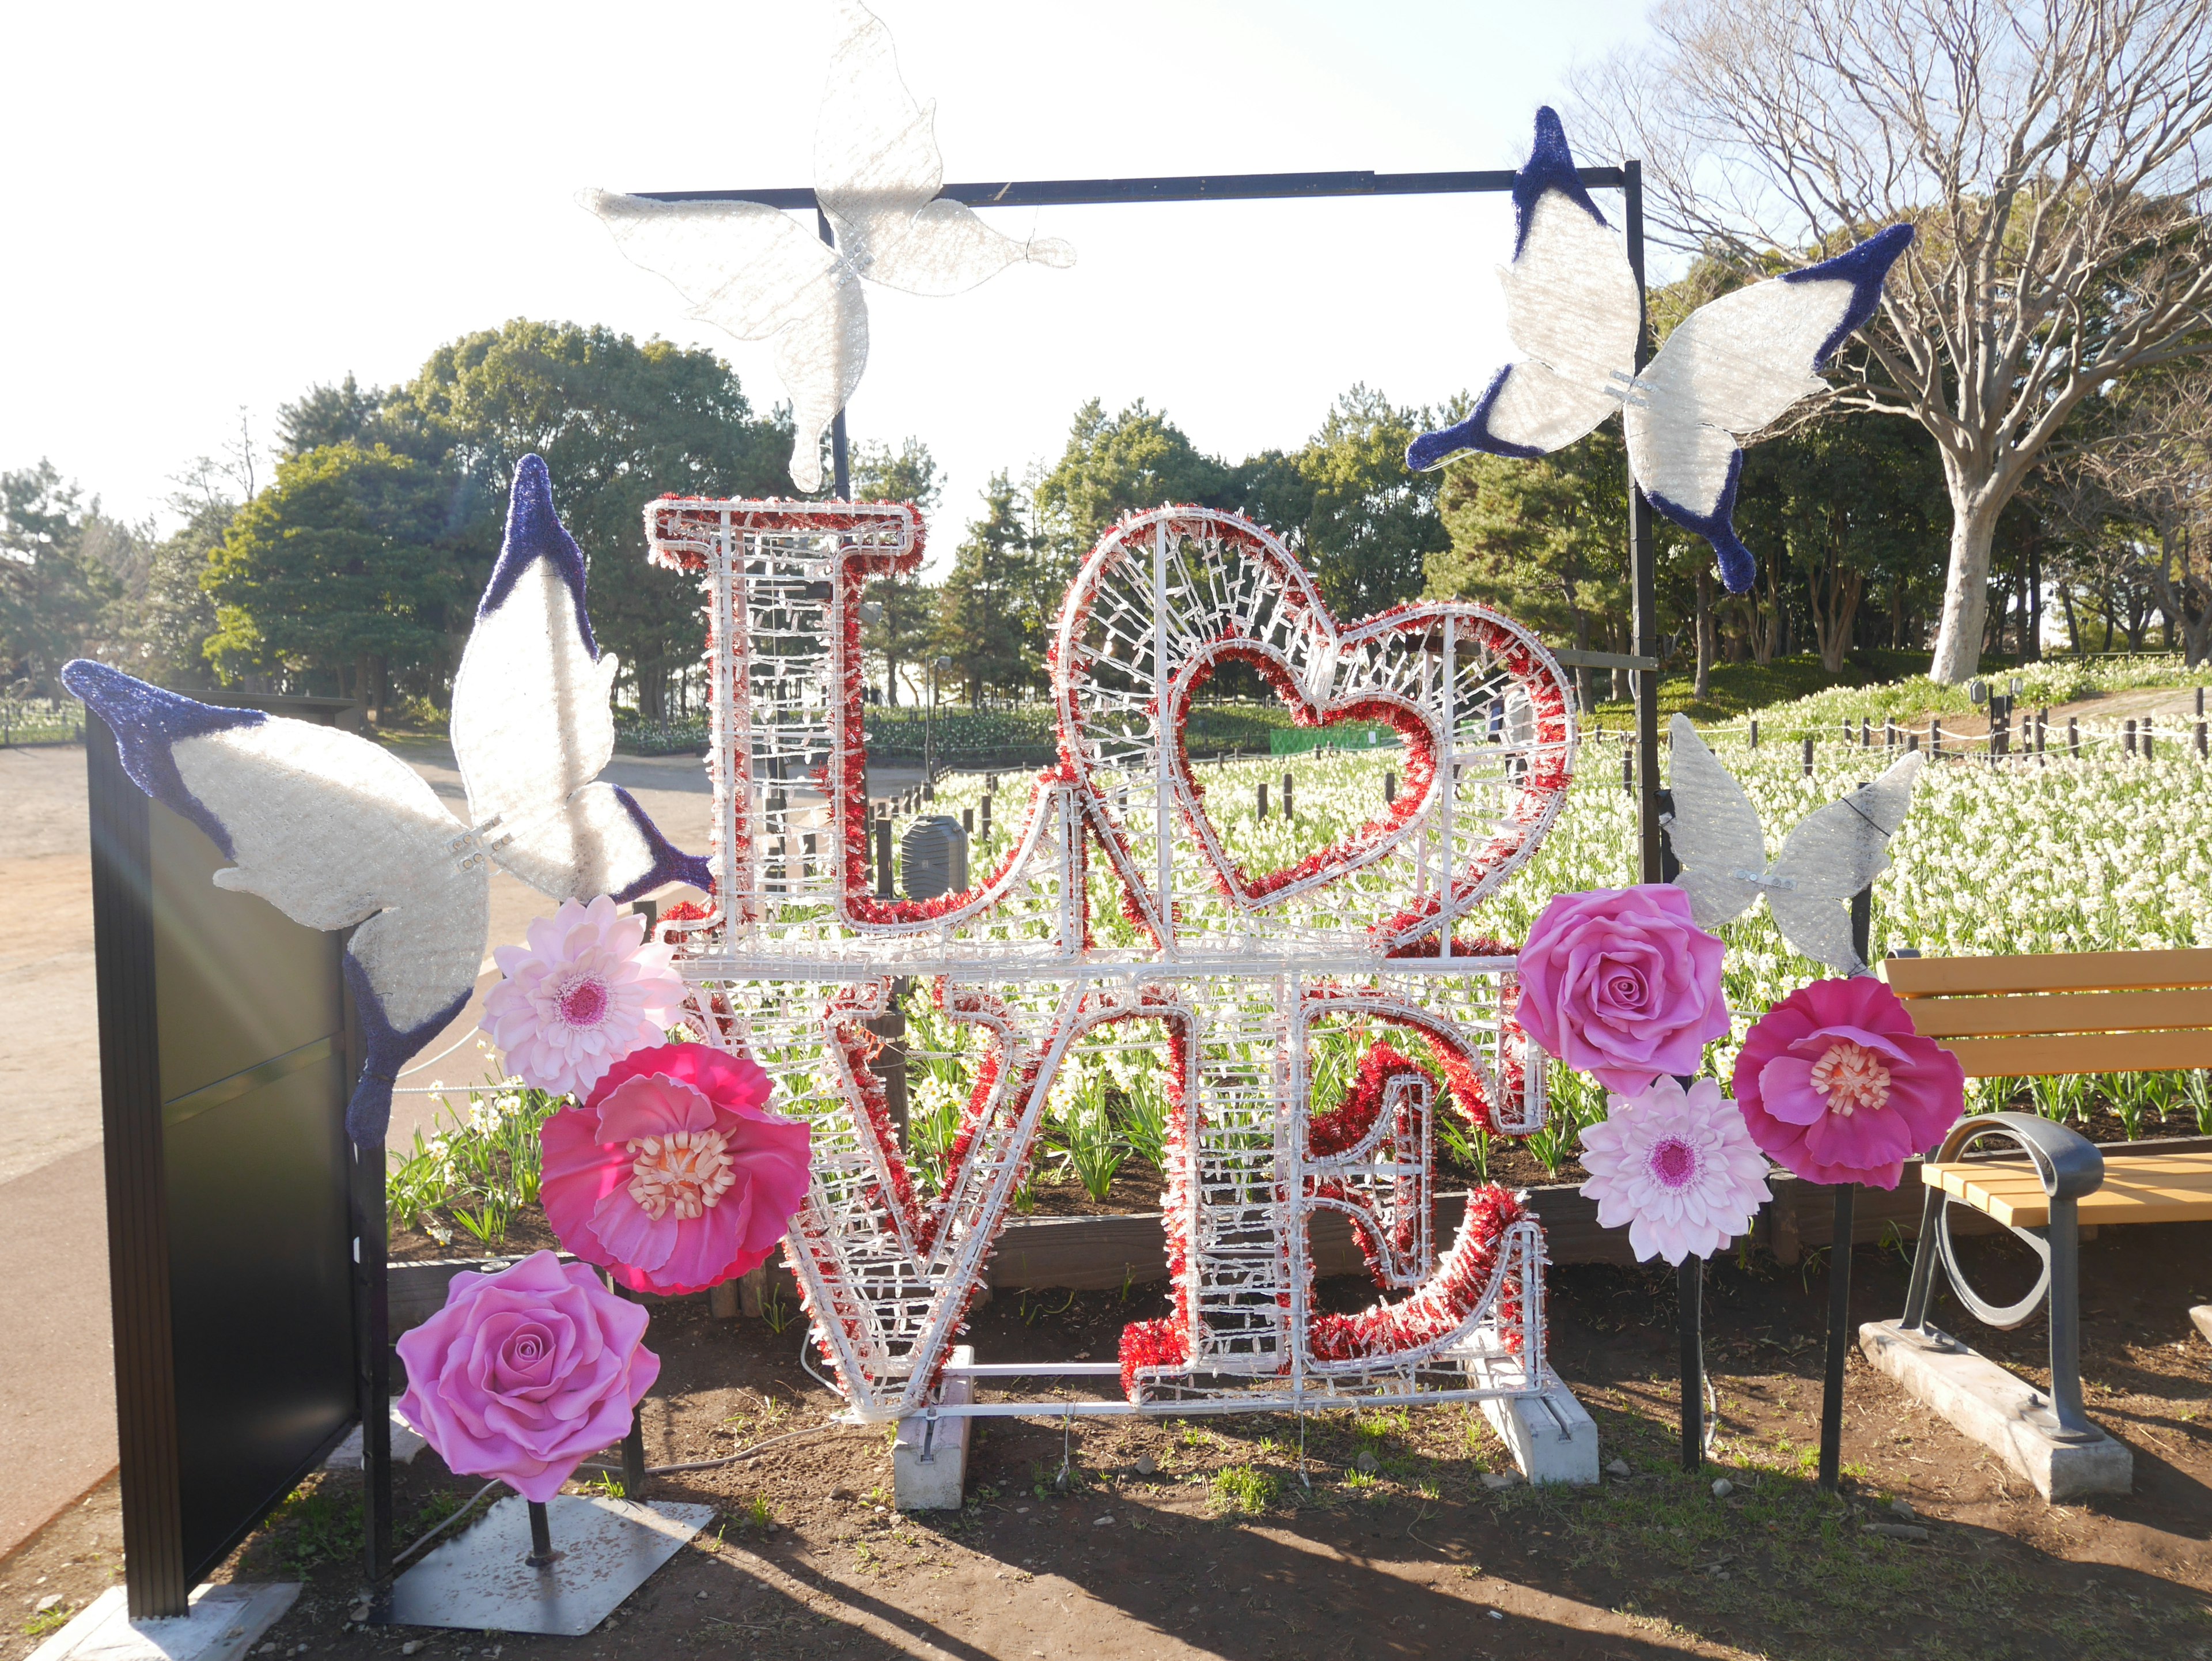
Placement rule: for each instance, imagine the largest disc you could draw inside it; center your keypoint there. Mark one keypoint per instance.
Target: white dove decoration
(1727, 369)
(1833, 852)
(337, 832)
(760, 274)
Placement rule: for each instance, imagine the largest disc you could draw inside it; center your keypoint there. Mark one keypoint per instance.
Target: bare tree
(2052, 153)
(2147, 478)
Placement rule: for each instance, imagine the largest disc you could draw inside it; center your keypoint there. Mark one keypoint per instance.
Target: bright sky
(217, 206)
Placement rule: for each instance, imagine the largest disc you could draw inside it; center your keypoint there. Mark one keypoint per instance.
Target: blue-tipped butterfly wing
(334, 832)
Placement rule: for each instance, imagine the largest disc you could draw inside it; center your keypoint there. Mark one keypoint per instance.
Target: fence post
(2127, 735)
(1888, 734)
(1935, 735)
(1754, 731)
(1808, 755)
(1390, 787)
(1263, 799)
(2200, 733)
(986, 813)
(2042, 723)
(2074, 737)
(2146, 737)
(1290, 811)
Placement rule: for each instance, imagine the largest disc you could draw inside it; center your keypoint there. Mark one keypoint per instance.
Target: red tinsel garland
(1441, 1307)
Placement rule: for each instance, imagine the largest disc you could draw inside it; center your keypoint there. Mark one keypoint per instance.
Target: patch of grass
(48, 1621)
(1244, 1490)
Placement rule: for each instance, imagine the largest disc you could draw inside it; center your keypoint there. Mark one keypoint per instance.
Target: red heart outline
(1530, 809)
(1365, 845)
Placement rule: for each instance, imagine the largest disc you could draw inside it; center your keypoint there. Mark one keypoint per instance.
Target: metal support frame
(1628, 179)
(2070, 1166)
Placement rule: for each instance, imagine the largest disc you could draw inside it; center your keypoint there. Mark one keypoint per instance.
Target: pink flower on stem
(674, 1176)
(1834, 1083)
(1620, 984)
(585, 992)
(1677, 1166)
(526, 1373)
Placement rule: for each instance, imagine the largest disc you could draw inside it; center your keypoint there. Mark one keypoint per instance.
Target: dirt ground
(1199, 1537)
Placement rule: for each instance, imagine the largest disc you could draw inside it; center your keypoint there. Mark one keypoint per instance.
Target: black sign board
(238, 1309)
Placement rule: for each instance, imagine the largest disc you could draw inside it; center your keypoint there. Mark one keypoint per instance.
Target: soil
(1184, 1537)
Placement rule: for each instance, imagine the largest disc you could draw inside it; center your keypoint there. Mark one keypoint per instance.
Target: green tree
(1370, 524)
(58, 594)
(899, 629)
(348, 413)
(1545, 540)
(178, 616)
(337, 570)
(992, 610)
(1122, 464)
(1856, 502)
(619, 423)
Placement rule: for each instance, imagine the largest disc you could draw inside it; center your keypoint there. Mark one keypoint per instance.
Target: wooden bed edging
(1105, 1253)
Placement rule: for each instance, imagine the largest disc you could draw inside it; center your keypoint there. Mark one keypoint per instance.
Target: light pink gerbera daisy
(1677, 1166)
(584, 993)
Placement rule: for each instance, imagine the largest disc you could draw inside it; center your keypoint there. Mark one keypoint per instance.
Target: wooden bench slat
(2149, 1188)
(2069, 972)
(2037, 1014)
(2093, 1052)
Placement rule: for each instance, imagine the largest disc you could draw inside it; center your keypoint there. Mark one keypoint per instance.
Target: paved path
(57, 1376)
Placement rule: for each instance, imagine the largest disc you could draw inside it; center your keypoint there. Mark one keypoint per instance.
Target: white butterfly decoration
(1727, 369)
(758, 273)
(335, 831)
(1833, 852)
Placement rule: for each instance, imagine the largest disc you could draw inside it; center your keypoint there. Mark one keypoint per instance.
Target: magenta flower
(1620, 984)
(674, 1176)
(1834, 1083)
(526, 1373)
(1677, 1166)
(584, 993)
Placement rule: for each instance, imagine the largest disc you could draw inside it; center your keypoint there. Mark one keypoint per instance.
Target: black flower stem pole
(1839, 1338)
(1690, 1294)
(634, 1460)
(540, 1537)
(1839, 1265)
(1690, 1273)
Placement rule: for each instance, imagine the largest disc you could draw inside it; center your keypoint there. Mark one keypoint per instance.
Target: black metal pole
(540, 1537)
(1839, 1338)
(1690, 1294)
(1690, 1273)
(1642, 573)
(840, 460)
(1839, 1262)
(633, 1457)
(372, 1329)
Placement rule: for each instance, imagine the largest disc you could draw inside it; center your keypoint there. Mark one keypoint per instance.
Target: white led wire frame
(793, 960)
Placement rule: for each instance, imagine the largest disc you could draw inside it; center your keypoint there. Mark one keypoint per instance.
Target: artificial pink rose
(526, 1373)
(675, 1177)
(1835, 1084)
(1620, 984)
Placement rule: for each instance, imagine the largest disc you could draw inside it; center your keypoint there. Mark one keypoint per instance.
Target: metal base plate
(608, 1548)
(225, 1622)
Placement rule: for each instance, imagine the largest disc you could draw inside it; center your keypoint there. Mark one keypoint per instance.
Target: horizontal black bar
(1197, 187)
(1569, 658)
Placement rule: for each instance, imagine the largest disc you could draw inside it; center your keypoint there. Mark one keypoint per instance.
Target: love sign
(1117, 911)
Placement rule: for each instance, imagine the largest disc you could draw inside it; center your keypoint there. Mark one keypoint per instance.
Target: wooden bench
(2035, 1016)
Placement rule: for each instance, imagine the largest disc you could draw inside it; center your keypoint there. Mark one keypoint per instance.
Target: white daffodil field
(2053, 855)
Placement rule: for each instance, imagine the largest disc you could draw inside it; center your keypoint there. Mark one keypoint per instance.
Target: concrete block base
(1553, 1439)
(929, 1460)
(2003, 1413)
(225, 1622)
